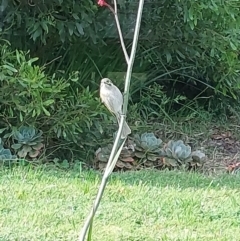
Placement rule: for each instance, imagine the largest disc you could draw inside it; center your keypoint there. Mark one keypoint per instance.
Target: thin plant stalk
(114, 11)
(120, 33)
(111, 163)
(118, 143)
(132, 56)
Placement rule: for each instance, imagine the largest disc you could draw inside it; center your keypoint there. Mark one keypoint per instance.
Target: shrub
(194, 44)
(200, 38)
(61, 108)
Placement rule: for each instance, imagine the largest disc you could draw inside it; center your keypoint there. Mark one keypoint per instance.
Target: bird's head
(106, 81)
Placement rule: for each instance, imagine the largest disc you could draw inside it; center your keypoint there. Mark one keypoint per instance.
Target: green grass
(141, 206)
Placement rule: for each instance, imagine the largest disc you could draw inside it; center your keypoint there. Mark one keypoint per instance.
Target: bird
(112, 98)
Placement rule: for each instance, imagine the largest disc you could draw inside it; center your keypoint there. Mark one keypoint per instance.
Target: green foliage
(188, 52)
(64, 19)
(200, 39)
(61, 107)
(26, 92)
(29, 142)
(154, 102)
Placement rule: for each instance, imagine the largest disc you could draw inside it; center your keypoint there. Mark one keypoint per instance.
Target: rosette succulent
(28, 142)
(124, 160)
(177, 152)
(5, 154)
(148, 147)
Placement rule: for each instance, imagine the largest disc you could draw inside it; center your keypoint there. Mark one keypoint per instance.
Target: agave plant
(148, 147)
(176, 153)
(29, 142)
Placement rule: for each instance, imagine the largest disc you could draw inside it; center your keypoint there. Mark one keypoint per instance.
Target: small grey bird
(113, 100)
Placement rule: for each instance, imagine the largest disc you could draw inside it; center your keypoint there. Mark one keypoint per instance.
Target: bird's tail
(125, 130)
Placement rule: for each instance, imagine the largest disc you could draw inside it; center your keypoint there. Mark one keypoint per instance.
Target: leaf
(195, 21)
(140, 154)
(47, 113)
(180, 54)
(190, 13)
(170, 161)
(20, 116)
(2, 130)
(16, 146)
(36, 34)
(233, 46)
(32, 143)
(10, 68)
(7, 135)
(22, 154)
(198, 156)
(44, 26)
(32, 60)
(38, 146)
(27, 148)
(80, 28)
(127, 159)
(169, 57)
(212, 53)
(128, 165)
(75, 16)
(191, 25)
(70, 30)
(102, 166)
(48, 102)
(152, 157)
(33, 113)
(33, 153)
(120, 164)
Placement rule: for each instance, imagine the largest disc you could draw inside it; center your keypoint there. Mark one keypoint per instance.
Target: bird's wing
(109, 104)
(117, 99)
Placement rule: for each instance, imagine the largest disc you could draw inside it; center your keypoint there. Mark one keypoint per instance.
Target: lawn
(41, 204)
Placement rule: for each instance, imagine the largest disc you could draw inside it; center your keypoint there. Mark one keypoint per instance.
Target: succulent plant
(29, 142)
(5, 154)
(177, 152)
(102, 154)
(198, 158)
(148, 147)
(125, 160)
